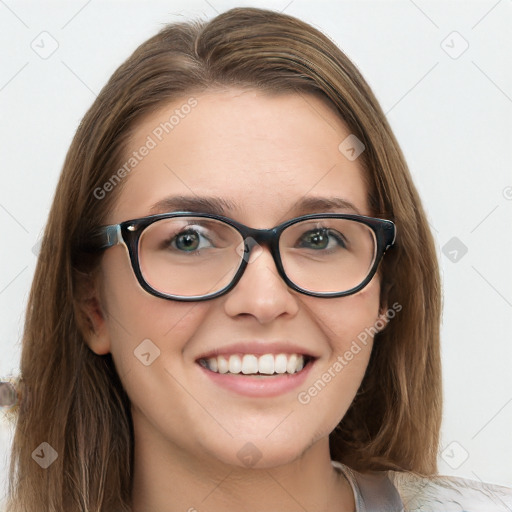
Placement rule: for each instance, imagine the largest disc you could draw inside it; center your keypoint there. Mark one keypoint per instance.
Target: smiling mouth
(264, 365)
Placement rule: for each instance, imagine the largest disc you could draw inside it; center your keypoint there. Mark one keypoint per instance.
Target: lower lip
(256, 386)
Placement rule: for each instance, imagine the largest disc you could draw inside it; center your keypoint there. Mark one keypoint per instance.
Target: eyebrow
(222, 206)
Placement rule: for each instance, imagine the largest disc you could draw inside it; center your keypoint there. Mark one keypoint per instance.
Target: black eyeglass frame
(129, 232)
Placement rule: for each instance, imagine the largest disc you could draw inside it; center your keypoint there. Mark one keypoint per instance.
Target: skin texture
(265, 152)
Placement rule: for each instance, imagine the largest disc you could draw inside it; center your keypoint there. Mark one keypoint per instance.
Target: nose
(261, 292)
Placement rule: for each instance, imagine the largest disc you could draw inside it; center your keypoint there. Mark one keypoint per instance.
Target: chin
(261, 452)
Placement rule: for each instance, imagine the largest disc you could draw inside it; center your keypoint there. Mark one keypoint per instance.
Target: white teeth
(250, 364)
(266, 364)
(280, 363)
(222, 363)
(235, 364)
(212, 363)
(291, 364)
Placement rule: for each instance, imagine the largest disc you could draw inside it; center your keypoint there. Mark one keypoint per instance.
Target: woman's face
(263, 155)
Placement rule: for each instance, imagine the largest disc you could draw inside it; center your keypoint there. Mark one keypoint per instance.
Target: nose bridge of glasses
(253, 238)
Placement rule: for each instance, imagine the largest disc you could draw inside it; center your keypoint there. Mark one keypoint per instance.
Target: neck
(168, 479)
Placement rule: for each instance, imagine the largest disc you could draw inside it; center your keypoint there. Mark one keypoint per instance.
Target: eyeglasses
(192, 256)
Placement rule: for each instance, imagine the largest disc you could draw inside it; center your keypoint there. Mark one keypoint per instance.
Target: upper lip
(258, 347)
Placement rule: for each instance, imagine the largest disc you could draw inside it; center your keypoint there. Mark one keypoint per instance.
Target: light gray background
(450, 109)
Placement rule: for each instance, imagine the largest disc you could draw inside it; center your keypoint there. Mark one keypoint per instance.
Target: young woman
(237, 301)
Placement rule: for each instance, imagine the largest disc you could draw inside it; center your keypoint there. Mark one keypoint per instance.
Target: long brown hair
(73, 398)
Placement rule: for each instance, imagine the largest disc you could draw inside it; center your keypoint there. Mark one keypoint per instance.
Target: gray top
(393, 491)
(373, 491)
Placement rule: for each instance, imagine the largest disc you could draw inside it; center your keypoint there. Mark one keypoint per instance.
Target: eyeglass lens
(194, 256)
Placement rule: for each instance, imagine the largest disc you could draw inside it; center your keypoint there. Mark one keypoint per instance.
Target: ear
(92, 317)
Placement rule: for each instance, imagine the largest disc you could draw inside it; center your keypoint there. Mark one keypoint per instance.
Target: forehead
(261, 153)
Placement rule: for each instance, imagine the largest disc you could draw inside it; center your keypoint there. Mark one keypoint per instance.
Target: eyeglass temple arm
(391, 234)
(106, 237)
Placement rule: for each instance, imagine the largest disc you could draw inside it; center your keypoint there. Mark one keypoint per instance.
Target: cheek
(134, 314)
(351, 318)
(145, 332)
(348, 325)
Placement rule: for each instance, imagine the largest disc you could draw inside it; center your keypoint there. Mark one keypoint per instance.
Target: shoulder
(396, 491)
(446, 493)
